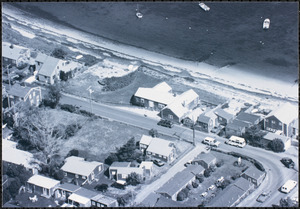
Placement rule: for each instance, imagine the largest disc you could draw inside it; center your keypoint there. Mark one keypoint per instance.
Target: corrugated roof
(78, 165)
(163, 86)
(285, 113)
(155, 95)
(160, 146)
(19, 91)
(146, 139)
(49, 66)
(43, 181)
(222, 113)
(247, 117)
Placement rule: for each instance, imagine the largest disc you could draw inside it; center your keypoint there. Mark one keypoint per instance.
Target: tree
(6, 195)
(134, 179)
(200, 177)
(58, 53)
(212, 168)
(58, 175)
(73, 152)
(101, 187)
(14, 187)
(53, 96)
(181, 196)
(287, 203)
(207, 173)
(153, 132)
(220, 163)
(224, 184)
(128, 151)
(195, 184)
(277, 145)
(111, 158)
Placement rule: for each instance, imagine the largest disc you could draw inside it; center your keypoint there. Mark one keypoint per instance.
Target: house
(155, 98)
(223, 116)
(144, 142)
(248, 118)
(103, 201)
(64, 190)
(180, 107)
(11, 154)
(254, 175)
(191, 118)
(42, 185)
(39, 60)
(204, 123)
(82, 197)
(147, 166)
(30, 95)
(206, 160)
(119, 171)
(163, 202)
(236, 128)
(178, 182)
(161, 149)
(282, 119)
(14, 55)
(78, 168)
(271, 136)
(245, 185)
(49, 72)
(150, 200)
(68, 70)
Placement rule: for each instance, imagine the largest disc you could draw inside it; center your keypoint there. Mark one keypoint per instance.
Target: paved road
(277, 174)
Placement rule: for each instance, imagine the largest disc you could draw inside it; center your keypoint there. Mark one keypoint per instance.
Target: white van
(288, 186)
(211, 141)
(236, 141)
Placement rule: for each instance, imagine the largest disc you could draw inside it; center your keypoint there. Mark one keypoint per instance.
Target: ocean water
(229, 34)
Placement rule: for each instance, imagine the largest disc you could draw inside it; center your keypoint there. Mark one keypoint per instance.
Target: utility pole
(91, 91)
(194, 142)
(7, 67)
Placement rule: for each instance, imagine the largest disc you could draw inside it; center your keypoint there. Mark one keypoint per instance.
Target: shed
(82, 197)
(206, 160)
(103, 201)
(254, 175)
(42, 185)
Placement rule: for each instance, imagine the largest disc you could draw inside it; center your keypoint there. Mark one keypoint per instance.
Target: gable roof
(146, 139)
(104, 199)
(155, 95)
(40, 57)
(78, 165)
(69, 187)
(43, 181)
(207, 158)
(246, 117)
(160, 146)
(163, 87)
(229, 196)
(49, 66)
(12, 53)
(237, 125)
(286, 113)
(187, 97)
(203, 119)
(222, 113)
(195, 169)
(177, 108)
(82, 195)
(253, 172)
(19, 91)
(194, 114)
(243, 184)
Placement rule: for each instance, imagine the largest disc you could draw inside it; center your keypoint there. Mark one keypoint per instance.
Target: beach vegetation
(115, 83)
(59, 53)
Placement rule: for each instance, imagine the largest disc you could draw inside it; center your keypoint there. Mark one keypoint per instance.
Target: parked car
(204, 194)
(165, 123)
(188, 163)
(263, 196)
(158, 163)
(288, 162)
(220, 180)
(212, 187)
(211, 142)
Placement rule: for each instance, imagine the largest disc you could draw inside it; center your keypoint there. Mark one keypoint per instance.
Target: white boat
(138, 14)
(266, 23)
(204, 7)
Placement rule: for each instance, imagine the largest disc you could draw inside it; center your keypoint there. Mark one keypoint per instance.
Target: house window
(170, 117)
(65, 173)
(280, 123)
(93, 203)
(267, 120)
(160, 106)
(142, 101)
(273, 122)
(34, 93)
(5, 59)
(29, 96)
(76, 176)
(14, 61)
(83, 177)
(124, 176)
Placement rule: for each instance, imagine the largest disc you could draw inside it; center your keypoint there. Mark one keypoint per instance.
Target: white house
(43, 185)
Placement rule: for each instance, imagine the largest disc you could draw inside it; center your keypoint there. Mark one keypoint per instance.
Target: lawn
(227, 171)
(23, 200)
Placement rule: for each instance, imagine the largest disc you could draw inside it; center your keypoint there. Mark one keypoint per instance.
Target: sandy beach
(249, 79)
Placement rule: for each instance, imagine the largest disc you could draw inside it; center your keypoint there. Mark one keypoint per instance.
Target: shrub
(123, 200)
(134, 179)
(8, 119)
(277, 145)
(114, 83)
(71, 130)
(58, 53)
(200, 178)
(153, 132)
(14, 187)
(67, 107)
(181, 196)
(195, 185)
(101, 187)
(207, 173)
(212, 168)
(189, 187)
(259, 166)
(111, 158)
(58, 175)
(6, 195)
(220, 163)
(73, 152)
(186, 191)
(86, 113)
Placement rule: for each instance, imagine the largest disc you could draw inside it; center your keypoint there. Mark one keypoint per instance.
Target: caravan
(288, 186)
(236, 141)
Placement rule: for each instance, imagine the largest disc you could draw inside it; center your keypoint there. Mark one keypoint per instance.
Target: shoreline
(225, 75)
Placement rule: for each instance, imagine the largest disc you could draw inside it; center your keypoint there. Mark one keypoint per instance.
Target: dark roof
(207, 158)
(220, 112)
(243, 184)
(176, 183)
(254, 172)
(165, 202)
(203, 119)
(237, 125)
(228, 197)
(19, 91)
(250, 118)
(68, 187)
